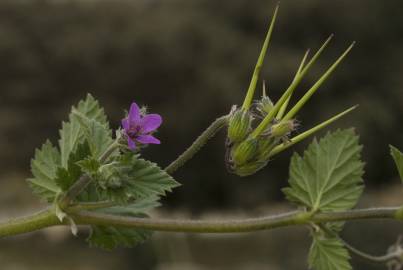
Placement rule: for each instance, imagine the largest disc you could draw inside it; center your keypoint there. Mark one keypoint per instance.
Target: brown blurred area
(190, 61)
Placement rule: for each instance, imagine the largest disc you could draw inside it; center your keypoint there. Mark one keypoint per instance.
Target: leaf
(89, 165)
(72, 133)
(67, 177)
(329, 175)
(328, 254)
(131, 177)
(110, 237)
(398, 158)
(44, 167)
(99, 136)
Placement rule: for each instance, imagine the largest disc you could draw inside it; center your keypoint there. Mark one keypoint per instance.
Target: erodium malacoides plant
(97, 177)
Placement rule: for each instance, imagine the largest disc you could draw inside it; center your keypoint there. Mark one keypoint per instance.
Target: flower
(138, 126)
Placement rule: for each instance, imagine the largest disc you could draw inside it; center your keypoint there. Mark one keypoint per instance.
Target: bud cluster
(247, 154)
(250, 147)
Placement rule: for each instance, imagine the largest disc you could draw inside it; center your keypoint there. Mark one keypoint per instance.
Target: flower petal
(150, 122)
(131, 143)
(125, 124)
(134, 114)
(147, 139)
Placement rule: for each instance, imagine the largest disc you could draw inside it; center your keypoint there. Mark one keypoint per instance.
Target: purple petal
(134, 114)
(125, 124)
(147, 139)
(150, 122)
(131, 143)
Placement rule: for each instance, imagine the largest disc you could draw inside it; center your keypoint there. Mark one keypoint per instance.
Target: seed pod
(249, 168)
(239, 125)
(265, 145)
(264, 106)
(282, 129)
(244, 151)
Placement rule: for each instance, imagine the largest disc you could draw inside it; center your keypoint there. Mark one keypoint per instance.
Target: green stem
(231, 226)
(197, 144)
(37, 221)
(48, 218)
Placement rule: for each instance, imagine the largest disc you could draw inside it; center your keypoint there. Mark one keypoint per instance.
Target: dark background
(190, 61)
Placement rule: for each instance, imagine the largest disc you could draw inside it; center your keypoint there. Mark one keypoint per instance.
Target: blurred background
(190, 61)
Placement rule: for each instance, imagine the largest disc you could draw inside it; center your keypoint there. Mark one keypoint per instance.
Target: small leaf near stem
(328, 177)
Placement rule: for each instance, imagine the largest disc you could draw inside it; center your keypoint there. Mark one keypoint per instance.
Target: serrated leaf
(130, 177)
(329, 175)
(98, 136)
(328, 254)
(72, 133)
(65, 178)
(398, 158)
(89, 165)
(110, 237)
(44, 167)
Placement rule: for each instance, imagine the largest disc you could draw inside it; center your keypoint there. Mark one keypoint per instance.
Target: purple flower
(138, 127)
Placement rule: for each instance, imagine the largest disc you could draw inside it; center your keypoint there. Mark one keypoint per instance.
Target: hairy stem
(37, 221)
(48, 218)
(197, 144)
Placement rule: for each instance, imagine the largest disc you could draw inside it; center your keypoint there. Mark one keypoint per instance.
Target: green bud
(244, 151)
(239, 125)
(282, 129)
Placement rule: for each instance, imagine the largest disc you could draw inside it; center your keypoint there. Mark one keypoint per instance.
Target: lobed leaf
(44, 169)
(66, 177)
(329, 175)
(328, 254)
(110, 237)
(130, 177)
(72, 132)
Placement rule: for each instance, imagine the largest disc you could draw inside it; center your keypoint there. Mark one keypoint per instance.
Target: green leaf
(328, 254)
(89, 165)
(44, 168)
(329, 175)
(130, 177)
(110, 237)
(398, 158)
(72, 132)
(65, 178)
(99, 136)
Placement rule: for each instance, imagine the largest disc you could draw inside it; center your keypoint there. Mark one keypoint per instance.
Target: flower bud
(239, 125)
(244, 151)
